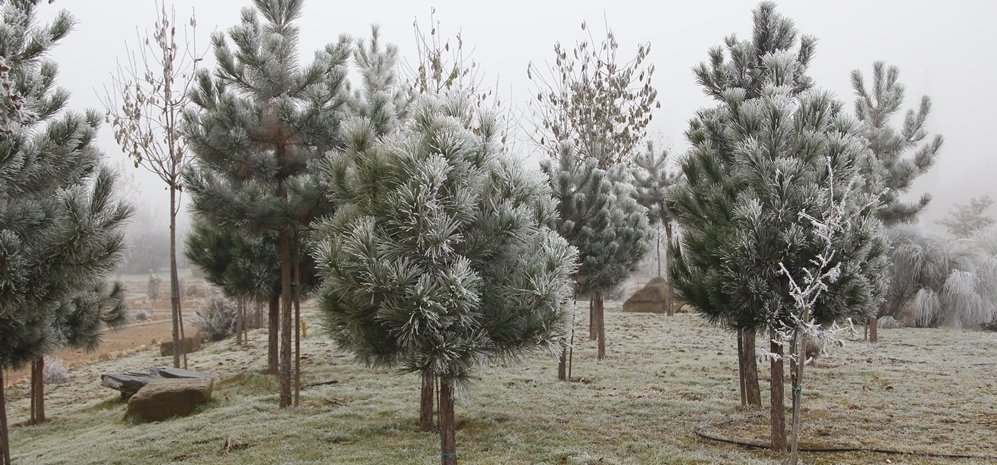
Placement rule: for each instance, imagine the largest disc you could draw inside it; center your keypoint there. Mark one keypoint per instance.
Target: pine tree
(739, 67)
(599, 215)
(60, 226)
(258, 124)
(969, 218)
(652, 179)
(440, 255)
(875, 108)
(758, 161)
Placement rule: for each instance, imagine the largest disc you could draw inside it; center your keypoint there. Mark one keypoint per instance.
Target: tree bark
(562, 363)
(873, 325)
(751, 390)
(38, 391)
(593, 334)
(741, 366)
(777, 416)
(4, 436)
(240, 320)
(284, 240)
(669, 306)
(426, 400)
(178, 347)
(297, 319)
(273, 341)
(800, 350)
(448, 427)
(600, 315)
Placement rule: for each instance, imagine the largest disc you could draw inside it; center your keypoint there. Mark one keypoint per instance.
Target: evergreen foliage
(945, 281)
(258, 124)
(760, 159)
(875, 107)
(652, 178)
(969, 218)
(440, 255)
(60, 225)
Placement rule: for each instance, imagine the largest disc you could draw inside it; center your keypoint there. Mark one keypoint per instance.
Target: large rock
(169, 397)
(130, 382)
(652, 298)
(190, 344)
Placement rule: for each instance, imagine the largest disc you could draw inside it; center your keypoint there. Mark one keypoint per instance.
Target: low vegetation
(668, 378)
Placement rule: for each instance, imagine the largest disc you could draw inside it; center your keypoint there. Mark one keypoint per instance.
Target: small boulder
(190, 344)
(652, 298)
(169, 397)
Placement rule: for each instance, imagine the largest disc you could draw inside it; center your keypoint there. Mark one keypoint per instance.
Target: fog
(946, 50)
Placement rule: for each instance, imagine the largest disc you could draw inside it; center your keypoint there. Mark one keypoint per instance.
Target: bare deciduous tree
(144, 106)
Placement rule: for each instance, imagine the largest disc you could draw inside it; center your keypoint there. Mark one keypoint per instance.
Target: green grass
(918, 390)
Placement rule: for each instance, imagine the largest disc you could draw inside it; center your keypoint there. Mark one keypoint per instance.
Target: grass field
(918, 390)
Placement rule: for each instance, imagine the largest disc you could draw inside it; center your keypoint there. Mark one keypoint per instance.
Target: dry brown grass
(917, 390)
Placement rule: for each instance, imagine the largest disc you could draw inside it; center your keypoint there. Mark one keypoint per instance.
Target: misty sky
(947, 50)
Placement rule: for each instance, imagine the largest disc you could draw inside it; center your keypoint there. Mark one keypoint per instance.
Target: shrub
(888, 322)
(141, 315)
(55, 371)
(216, 319)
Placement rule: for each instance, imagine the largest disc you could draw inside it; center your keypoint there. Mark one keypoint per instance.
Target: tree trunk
(873, 325)
(284, 240)
(273, 341)
(799, 361)
(240, 319)
(37, 391)
(778, 408)
(751, 390)
(600, 315)
(426, 400)
(178, 347)
(448, 427)
(4, 437)
(740, 366)
(562, 363)
(669, 306)
(657, 245)
(593, 334)
(297, 319)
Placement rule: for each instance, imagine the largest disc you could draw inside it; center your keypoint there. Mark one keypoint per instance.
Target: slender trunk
(297, 320)
(873, 325)
(448, 428)
(274, 334)
(778, 408)
(240, 320)
(175, 283)
(600, 314)
(740, 366)
(669, 306)
(751, 390)
(4, 437)
(593, 334)
(800, 346)
(284, 239)
(426, 400)
(38, 391)
(657, 244)
(562, 363)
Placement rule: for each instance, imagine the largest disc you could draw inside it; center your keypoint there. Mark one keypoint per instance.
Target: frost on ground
(918, 390)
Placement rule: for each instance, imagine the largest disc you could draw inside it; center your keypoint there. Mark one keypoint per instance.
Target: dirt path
(125, 339)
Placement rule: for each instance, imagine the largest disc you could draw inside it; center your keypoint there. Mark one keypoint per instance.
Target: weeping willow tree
(943, 281)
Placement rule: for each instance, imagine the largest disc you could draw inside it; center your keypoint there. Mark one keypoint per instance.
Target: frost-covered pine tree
(439, 254)
(652, 178)
(60, 225)
(599, 215)
(899, 155)
(737, 67)
(258, 123)
(760, 158)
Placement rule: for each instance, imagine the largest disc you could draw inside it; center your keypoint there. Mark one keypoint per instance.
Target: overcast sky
(947, 50)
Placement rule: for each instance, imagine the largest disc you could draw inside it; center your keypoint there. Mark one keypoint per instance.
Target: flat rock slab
(169, 397)
(130, 382)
